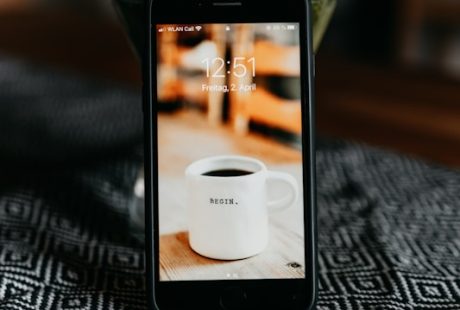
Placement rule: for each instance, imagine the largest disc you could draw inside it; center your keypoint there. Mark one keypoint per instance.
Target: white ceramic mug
(228, 215)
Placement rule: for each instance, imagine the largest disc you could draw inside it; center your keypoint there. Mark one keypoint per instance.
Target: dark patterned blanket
(389, 232)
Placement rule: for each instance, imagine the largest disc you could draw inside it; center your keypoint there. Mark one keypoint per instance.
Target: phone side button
(233, 298)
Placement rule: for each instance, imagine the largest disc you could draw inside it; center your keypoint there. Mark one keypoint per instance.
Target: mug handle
(288, 200)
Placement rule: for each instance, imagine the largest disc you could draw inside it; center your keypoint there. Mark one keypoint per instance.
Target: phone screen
(230, 176)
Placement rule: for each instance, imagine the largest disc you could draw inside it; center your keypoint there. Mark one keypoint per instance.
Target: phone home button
(233, 298)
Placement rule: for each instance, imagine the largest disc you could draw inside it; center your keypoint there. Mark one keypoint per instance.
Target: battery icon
(291, 27)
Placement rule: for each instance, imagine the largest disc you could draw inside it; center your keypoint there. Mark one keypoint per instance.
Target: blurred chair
(182, 72)
(262, 105)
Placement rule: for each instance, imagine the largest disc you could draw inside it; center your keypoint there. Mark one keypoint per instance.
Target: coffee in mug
(227, 173)
(228, 208)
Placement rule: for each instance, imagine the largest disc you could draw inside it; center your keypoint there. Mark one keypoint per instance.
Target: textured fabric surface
(389, 236)
(65, 240)
(47, 116)
(388, 226)
(389, 231)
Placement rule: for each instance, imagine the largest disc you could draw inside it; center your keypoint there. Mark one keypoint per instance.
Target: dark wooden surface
(89, 44)
(411, 112)
(417, 113)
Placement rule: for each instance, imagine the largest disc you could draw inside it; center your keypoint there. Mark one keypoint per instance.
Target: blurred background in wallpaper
(388, 74)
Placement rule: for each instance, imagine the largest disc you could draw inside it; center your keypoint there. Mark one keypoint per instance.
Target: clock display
(240, 67)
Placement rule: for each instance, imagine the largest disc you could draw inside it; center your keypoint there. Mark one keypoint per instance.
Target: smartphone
(229, 155)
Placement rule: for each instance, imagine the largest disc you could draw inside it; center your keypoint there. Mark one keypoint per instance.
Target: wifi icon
(198, 28)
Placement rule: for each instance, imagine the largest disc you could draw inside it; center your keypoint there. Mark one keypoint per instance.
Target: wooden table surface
(185, 137)
(413, 112)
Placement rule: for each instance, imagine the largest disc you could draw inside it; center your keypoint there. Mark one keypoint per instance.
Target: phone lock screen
(230, 177)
